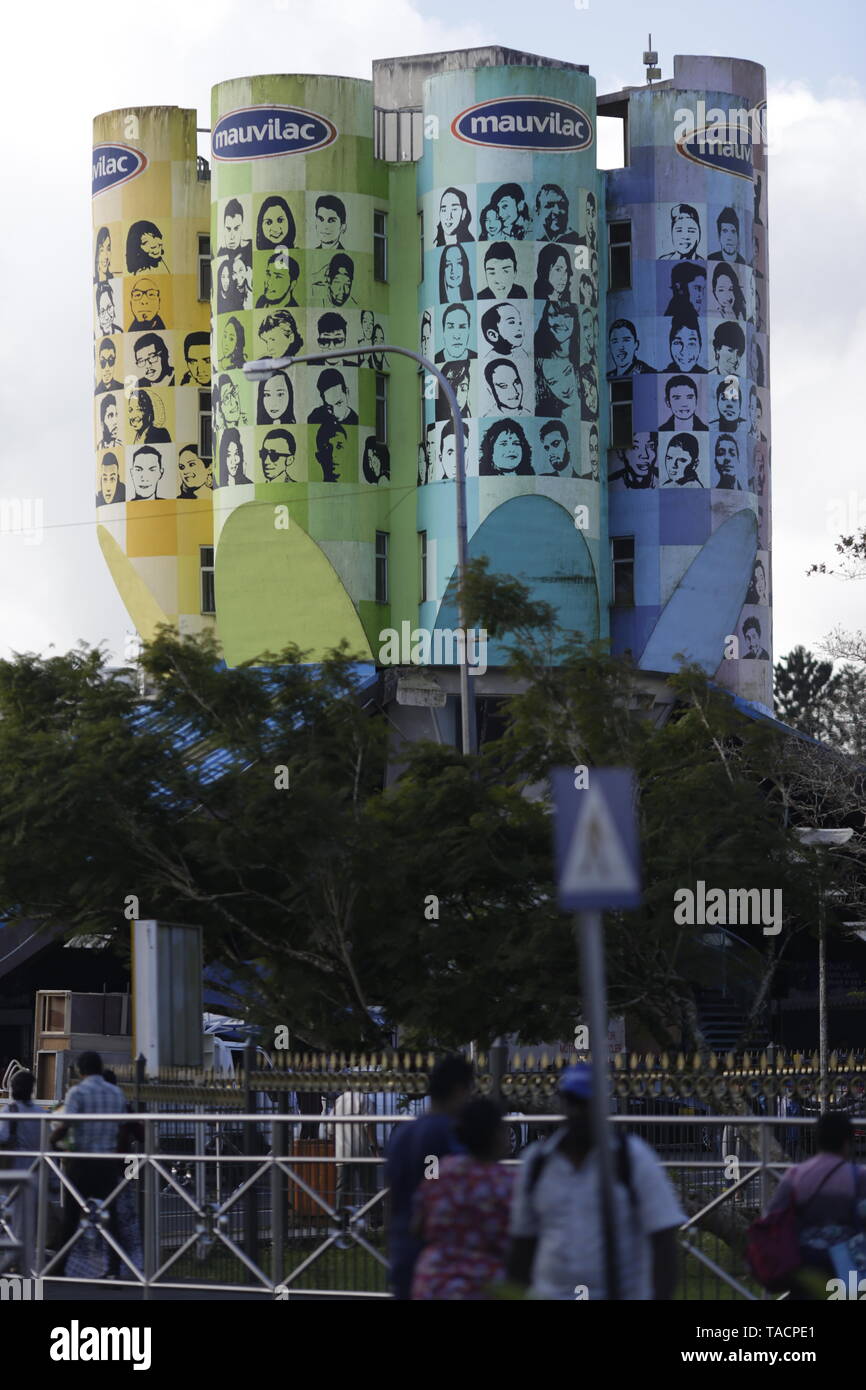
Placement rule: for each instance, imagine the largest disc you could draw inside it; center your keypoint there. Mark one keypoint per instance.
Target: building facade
(605, 332)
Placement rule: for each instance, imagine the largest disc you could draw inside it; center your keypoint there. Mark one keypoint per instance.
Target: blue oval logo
(113, 165)
(261, 132)
(524, 123)
(722, 139)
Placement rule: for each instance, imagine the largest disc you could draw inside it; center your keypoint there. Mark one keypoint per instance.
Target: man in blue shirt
(412, 1145)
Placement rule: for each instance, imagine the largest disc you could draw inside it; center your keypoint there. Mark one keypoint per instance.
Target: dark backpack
(623, 1166)
(773, 1246)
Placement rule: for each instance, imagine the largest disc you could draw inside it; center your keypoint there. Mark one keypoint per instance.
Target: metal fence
(251, 1208)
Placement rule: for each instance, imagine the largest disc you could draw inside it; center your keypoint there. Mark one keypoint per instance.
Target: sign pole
(597, 854)
(588, 932)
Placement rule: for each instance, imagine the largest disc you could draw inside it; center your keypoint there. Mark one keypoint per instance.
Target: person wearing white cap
(557, 1235)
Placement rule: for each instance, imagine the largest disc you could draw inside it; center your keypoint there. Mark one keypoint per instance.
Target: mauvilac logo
(260, 132)
(524, 123)
(114, 164)
(720, 139)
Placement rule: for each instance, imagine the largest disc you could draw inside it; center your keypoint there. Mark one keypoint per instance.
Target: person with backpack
(557, 1247)
(815, 1219)
(17, 1134)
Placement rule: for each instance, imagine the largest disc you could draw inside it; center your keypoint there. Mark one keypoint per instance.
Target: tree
(720, 796)
(253, 802)
(805, 692)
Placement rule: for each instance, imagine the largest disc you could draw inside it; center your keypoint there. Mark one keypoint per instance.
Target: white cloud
(817, 209)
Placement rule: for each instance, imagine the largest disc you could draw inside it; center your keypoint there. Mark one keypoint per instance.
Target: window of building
(206, 570)
(205, 430)
(382, 407)
(619, 256)
(382, 539)
(422, 563)
(622, 562)
(621, 425)
(204, 283)
(380, 245)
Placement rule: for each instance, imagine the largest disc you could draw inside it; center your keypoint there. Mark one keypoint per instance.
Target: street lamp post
(263, 366)
(822, 839)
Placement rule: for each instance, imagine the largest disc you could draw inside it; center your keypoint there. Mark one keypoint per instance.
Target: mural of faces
(195, 473)
(637, 466)
(111, 486)
(680, 233)
(682, 462)
(277, 455)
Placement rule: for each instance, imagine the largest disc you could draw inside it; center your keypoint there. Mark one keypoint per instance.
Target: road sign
(596, 840)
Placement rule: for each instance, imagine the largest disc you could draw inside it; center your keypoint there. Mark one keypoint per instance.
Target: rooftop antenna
(650, 58)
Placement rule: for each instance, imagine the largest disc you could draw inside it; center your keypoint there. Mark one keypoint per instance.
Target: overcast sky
(66, 63)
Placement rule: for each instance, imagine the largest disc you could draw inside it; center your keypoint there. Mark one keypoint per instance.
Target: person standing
(829, 1195)
(411, 1149)
(356, 1182)
(92, 1177)
(17, 1133)
(462, 1216)
(557, 1247)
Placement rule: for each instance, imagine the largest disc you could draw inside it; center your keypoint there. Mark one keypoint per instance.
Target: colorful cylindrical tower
(509, 309)
(687, 349)
(152, 362)
(303, 470)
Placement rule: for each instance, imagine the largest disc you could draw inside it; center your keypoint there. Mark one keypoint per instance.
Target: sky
(64, 64)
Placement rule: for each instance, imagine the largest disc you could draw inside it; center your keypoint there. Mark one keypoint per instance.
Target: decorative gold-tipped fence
(723, 1083)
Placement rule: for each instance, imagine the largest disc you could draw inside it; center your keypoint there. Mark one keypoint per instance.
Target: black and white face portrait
(500, 272)
(110, 487)
(196, 473)
(455, 282)
(638, 464)
(726, 460)
(330, 218)
(333, 287)
(109, 421)
(106, 311)
(447, 452)
(623, 344)
(558, 386)
(684, 240)
(459, 378)
(152, 361)
(106, 365)
(555, 450)
(506, 386)
(234, 235)
(759, 589)
(682, 462)
(552, 214)
(147, 471)
(426, 333)
(753, 641)
(729, 403)
(456, 332)
(729, 344)
(685, 344)
(503, 330)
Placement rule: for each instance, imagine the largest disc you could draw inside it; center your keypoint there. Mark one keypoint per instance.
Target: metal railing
(267, 1213)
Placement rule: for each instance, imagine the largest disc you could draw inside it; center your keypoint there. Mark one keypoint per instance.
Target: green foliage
(805, 692)
(346, 900)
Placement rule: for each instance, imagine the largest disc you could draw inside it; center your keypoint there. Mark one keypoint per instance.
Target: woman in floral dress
(462, 1214)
